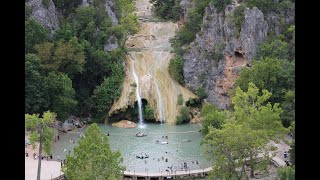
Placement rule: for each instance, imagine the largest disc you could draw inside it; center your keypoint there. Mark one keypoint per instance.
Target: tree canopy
(93, 158)
(243, 137)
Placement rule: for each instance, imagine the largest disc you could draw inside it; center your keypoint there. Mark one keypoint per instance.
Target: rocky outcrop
(46, 16)
(125, 124)
(111, 14)
(111, 44)
(220, 50)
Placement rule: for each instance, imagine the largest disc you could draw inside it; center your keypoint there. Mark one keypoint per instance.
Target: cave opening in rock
(132, 113)
(238, 55)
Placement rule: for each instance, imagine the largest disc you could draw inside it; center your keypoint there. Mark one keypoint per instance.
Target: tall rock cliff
(45, 15)
(221, 49)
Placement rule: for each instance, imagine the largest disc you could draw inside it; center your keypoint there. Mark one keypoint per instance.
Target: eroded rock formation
(149, 49)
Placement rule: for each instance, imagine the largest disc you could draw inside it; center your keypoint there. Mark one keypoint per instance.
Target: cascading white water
(137, 94)
(159, 102)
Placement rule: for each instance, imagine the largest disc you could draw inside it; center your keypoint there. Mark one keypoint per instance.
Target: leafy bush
(45, 3)
(201, 93)
(286, 173)
(184, 115)
(148, 112)
(180, 99)
(212, 117)
(274, 47)
(167, 9)
(34, 34)
(221, 4)
(176, 69)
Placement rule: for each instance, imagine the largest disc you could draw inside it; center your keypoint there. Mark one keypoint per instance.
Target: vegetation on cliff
(69, 71)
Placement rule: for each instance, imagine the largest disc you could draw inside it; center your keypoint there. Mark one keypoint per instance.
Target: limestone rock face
(203, 66)
(125, 124)
(149, 55)
(46, 16)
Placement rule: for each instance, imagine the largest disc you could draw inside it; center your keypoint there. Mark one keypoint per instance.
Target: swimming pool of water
(177, 151)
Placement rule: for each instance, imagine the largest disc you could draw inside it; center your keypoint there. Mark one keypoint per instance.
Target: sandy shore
(49, 169)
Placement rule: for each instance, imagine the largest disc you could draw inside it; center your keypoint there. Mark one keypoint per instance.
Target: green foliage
(233, 144)
(213, 117)
(271, 74)
(63, 57)
(93, 158)
(176, 69)
(245, 133)
(184, 116)
(62, 95)
(201, 93)
(33, 122)
(66, 6)
(220, 4)
(274, 48)
(286, 173)
(64, 32)
(110, 89)
(148, 112)
(34, 34)
(237, 17)
(167, 9)
(288, 106)
(207, 109)
(264, 6)
(27, 11)
(180, 99)
(36, 96)
(46, 3)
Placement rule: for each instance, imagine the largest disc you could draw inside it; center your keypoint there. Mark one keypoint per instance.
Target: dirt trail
(150, 49)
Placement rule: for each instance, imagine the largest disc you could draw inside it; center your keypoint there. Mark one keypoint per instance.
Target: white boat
(164, 142)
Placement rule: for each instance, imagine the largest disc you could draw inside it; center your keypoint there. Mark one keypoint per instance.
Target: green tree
(41, 132)
(167, 9)
(34, 34)
(184, 115)
(255, 122)
(105, 94)
(234, 146)
(274, 48)
(70, 57)
(201, 93)
(180, 99)
(286, 173)
(64, 57)
(36, 96)
(271, 74)
(66, 6)
(62, 100)
(288, 106)
(148, 112)
(214, 118)
(93, 158)
(176, 69)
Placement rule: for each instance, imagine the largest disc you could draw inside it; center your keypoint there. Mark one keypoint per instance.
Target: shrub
(180, 99)
(286, 173)
(176, 69)
(201, 93)
(184, 115)
(148, 112)
(45, 3)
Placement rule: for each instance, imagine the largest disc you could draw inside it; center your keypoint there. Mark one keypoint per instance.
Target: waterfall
(159, 102)
(137, 94)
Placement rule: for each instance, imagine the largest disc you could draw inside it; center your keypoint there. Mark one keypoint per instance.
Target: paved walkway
(49, 169)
